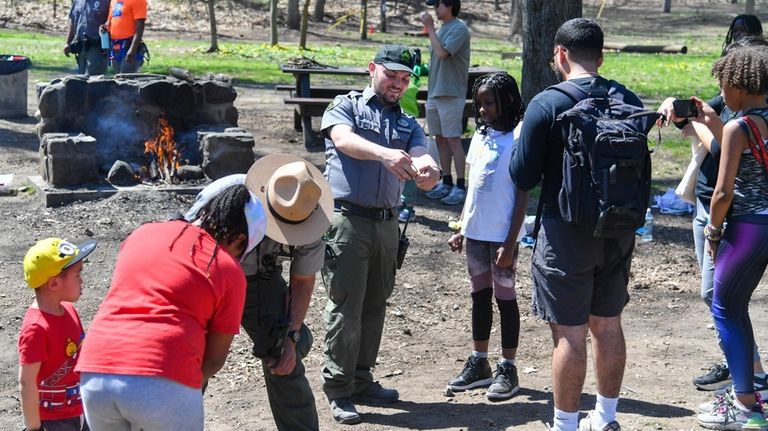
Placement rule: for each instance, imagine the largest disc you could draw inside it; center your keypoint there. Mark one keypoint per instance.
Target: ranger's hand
(399, 163)
(287, 361)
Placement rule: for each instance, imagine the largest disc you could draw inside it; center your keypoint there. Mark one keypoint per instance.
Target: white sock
(738, 403)
(760, 375)
(605, 411)
(566, 421)
(507, 360)
(477, 354)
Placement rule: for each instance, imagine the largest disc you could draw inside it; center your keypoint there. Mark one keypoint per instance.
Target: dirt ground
(427, 331)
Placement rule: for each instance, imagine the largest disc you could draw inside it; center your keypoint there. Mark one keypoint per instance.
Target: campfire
(162, 155)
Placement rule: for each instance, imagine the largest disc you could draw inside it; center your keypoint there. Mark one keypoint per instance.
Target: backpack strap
(757, 144)
(577, 94)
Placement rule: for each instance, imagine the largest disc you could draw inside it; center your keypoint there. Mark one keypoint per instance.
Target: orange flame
(163, 147)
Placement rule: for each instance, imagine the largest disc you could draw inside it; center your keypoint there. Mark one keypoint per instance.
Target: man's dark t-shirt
(539, 151)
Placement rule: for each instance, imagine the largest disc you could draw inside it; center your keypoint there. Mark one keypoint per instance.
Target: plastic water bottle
(647, 229)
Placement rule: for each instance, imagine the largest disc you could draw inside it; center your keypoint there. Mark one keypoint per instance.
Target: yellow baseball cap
(48, 257)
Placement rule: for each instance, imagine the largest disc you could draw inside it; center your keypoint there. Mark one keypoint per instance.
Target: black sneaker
(718, 377)
(375, 394)
(476, 374)
(505, 383)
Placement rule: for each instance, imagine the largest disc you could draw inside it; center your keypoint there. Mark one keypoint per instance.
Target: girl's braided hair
(745, 68)
(223, 218)
(509, 104)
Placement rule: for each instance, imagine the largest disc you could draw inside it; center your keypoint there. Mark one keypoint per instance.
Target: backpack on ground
(606, 161)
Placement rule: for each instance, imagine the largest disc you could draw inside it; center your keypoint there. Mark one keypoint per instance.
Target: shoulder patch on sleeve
(336, 101)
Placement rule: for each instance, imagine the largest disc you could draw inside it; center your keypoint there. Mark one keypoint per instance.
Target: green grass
(652, 76)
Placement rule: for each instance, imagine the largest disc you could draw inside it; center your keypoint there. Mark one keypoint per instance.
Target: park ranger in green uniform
(372, 147)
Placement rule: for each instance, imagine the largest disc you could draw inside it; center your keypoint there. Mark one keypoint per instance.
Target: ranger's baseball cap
(395, 57)
(50, 256)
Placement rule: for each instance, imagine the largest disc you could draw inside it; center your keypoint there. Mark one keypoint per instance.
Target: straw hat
(295, 195)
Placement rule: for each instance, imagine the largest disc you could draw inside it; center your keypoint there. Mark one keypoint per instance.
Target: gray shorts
(576, 275)
(444, 116)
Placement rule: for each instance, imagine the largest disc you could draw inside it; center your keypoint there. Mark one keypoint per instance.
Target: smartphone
(685, 108)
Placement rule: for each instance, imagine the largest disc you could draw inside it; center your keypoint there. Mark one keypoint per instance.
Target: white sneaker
(714, 404)
(728, 416)
(439, 191)
(585, 424)
(455, 197)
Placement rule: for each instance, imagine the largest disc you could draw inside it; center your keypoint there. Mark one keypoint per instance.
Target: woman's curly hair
(745, 68)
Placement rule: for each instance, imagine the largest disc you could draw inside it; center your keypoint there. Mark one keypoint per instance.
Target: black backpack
(606, 161)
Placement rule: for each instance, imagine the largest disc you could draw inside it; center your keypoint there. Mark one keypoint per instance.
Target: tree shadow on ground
(531, 408)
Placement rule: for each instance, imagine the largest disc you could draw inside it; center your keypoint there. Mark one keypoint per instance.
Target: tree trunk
(319, 13)
(212, 19)
(363, 19)
(750, 8)
(273, 22)
(541, 19)
(516, 19)
(293, 14)
(383, 9)
(667, 6)
(304, 25)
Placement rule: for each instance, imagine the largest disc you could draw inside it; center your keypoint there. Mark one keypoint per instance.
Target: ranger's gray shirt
(269, 256)
(367, 183)
(87, 16)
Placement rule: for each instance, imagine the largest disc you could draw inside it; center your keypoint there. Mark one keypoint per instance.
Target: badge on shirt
(336, 101)
(402, 122)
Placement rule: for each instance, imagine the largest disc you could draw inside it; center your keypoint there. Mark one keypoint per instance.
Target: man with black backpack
(585, 138)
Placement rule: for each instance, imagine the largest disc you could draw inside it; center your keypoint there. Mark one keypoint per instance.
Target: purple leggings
(741, 262)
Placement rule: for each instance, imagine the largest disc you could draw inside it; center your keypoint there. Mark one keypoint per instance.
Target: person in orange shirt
(125, 25)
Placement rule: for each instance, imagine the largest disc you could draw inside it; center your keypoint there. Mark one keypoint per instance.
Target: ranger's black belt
(376, 214)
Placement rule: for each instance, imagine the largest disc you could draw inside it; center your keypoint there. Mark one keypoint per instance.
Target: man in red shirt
(125, 25)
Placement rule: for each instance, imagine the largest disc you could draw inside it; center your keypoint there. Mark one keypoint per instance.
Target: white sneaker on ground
(585, 424)
(728, 416)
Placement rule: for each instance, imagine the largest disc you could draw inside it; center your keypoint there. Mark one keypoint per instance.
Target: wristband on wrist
(713, 233)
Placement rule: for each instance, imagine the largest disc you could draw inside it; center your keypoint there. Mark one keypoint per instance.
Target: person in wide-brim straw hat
(296, 197)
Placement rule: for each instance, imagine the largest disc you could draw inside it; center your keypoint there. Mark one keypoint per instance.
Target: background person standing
(83, 40)
(446, 94)
(126, 29)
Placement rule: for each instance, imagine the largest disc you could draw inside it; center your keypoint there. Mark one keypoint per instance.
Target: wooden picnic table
(307, 105)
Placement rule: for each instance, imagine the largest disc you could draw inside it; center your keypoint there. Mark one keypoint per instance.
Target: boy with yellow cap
(50, 337)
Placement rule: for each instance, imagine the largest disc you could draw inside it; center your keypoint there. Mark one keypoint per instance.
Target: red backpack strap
(757, 144)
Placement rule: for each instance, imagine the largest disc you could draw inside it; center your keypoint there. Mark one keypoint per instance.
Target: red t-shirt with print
(54, 341)
(168, 291)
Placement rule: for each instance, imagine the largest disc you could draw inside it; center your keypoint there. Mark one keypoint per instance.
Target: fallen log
(182, 74)
(648, 49)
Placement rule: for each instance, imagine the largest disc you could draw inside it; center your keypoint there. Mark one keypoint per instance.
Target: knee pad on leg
(482, 314)
(509, 313)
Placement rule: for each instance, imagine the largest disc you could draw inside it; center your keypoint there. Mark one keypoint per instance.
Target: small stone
(448, 392)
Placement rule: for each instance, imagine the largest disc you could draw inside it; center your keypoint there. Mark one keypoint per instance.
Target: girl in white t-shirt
(492, 247)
